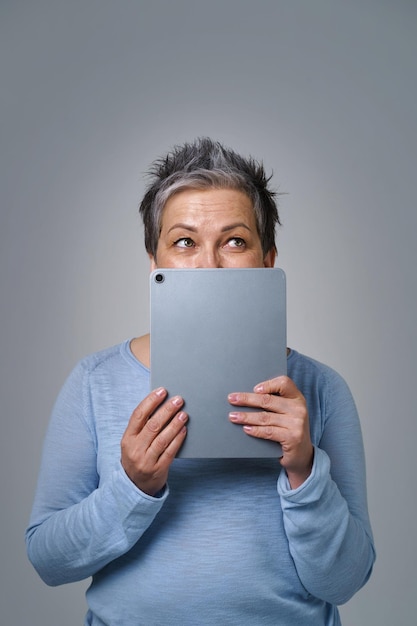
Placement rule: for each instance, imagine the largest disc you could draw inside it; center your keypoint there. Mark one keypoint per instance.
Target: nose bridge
(209, 256)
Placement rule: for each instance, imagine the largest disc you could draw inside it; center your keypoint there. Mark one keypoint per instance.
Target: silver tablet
(215, 331)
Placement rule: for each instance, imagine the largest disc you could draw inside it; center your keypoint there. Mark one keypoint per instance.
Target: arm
(79, 524)
(332, 548)
(325, 517)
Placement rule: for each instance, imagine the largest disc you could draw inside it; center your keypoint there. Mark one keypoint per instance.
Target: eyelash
(241, 241)
(177, 242)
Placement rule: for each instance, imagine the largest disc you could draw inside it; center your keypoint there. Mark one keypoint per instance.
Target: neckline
(126, 351)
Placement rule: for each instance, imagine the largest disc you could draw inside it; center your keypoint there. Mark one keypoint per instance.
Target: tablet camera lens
(159, 278)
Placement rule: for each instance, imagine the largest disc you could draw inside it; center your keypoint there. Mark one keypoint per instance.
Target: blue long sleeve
(221, 544)
(79, 522)
(325, 539)
(326, 519)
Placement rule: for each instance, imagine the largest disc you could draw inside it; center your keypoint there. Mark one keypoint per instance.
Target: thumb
(281, 386)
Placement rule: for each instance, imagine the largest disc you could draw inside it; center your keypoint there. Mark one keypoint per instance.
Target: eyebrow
(235, 225)
(225, 229)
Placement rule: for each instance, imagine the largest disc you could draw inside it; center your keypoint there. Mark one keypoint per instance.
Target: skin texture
(212, 229)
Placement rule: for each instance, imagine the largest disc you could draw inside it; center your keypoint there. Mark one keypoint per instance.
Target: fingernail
(233, 397)
(183, 417)
(233, 416)
(177, 401)
(160, 392)
(258, 389)
(247, 428)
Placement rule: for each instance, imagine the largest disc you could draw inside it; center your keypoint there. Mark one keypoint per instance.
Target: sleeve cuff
(312, 488)
(134, 494)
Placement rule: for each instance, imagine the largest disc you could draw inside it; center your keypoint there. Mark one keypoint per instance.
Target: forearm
(332, 549)
(73, 543)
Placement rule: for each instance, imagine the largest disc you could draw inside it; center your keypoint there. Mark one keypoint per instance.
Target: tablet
(215, 331)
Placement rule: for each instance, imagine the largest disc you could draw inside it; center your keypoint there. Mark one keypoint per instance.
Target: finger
(262, 432)
(264, 401)
(159, 420)
(144, 410)
(261, 419)
(282, 386)
(260, 425)
(148, 466)
(166, 445)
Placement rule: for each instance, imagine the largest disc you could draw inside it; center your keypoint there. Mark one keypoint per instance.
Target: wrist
(297, 476)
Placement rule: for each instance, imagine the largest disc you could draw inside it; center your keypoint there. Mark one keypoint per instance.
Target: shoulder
(111, 375)
(113, 362)
(319, 383)
(101, 358)
(94, 363)
(307, 368)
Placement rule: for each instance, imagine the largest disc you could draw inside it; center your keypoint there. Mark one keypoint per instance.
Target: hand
(151, 440)
(283, 418)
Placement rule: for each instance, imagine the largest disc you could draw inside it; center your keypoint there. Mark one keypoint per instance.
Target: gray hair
(207, 164)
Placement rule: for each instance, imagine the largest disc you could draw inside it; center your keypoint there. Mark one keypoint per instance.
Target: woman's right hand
(154, 434)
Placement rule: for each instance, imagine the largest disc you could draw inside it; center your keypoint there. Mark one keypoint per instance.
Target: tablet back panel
(215, 331)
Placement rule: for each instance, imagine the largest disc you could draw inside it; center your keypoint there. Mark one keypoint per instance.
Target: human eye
(236, 242)
(184, 242)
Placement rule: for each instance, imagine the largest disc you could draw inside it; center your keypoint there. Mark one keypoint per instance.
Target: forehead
(208, 202)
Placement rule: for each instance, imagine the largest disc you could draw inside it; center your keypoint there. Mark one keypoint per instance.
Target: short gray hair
(207, 164)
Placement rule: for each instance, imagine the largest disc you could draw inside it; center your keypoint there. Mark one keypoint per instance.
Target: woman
(175, 541)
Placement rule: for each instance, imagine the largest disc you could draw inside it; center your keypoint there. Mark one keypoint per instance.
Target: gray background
(325, 93)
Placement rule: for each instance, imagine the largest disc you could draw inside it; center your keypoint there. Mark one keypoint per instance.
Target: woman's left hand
(282, 417)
